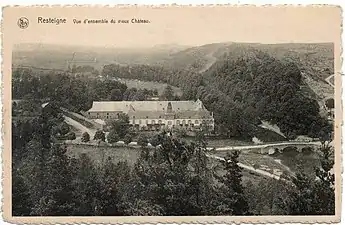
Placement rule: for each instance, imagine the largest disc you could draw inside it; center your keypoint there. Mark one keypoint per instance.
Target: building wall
(172, 123)
(156, 123)
(103, 115)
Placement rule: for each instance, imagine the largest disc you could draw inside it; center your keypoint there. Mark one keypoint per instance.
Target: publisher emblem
(23, 22)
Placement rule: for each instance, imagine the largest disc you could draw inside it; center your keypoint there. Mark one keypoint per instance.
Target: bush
(143, 140)
(154, 141)
(85, 137)
(64, 128)
(113, 137)
(127, 139)
(181, 133)
(99, 135)
(71, 136)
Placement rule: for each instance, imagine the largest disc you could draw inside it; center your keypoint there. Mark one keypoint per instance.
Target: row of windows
(178, 122)
(148, 117)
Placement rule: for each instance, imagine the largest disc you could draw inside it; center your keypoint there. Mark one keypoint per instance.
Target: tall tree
(20, 196)
(57, 200)
(86, 186)
(233, 200)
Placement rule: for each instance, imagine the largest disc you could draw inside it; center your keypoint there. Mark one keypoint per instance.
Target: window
(169, 122)
(160, 117)
(159, 121)
(107, 114)
(147, 122)
(153, 122)
(139, 121)
(147, 117)
(196, 121)
(189, 122)
(133, 117)
(177, 122)
(88, 113)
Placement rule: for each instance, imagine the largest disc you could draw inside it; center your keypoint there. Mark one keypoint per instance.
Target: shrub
(143, 140)
(64, 128)
(99, 135)
(181, 133)
(71, 136)
(155, 140)
(85, 137)
(112, 137)
(127, 139)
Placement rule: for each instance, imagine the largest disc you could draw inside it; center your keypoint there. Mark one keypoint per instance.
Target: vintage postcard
(171, 114)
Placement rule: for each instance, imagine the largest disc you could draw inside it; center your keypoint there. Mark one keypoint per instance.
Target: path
(79, 126)
(211, 60)
(328, 80)
(246, 147)
(250, 168)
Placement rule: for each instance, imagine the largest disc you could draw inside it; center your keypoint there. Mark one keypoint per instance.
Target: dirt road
(250, 168)
(79, 126)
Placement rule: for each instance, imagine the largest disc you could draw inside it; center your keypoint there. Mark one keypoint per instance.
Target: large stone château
(154, 115)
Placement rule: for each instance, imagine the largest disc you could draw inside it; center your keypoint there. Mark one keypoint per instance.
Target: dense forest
(242, 90)
(176, 178)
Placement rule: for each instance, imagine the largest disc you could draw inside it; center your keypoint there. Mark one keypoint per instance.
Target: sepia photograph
(172, 112)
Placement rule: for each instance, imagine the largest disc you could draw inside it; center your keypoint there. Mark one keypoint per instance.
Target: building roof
(146, 106)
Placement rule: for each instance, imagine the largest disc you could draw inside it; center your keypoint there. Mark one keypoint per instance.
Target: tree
(121, 125)
(178, 174)
(71, 136)
(86, 187)
(59, 190)
(99, 135)
(155, 92)
(310, 196)
(85, 137)
(114, 188)
(155, 140)
(112, 137)
(234, 201)
(128, 138)
(330, 103)
(64, 128)
(142, 140)
(21, 204)
(115, 95)
(168, 93)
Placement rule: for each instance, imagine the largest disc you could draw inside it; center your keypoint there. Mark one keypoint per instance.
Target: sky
(177, 25)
